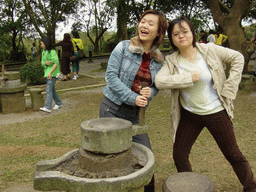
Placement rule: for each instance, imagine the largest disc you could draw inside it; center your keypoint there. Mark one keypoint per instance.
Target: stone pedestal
(12, 102)
(188, 182)
(12, 97)
(36, 98)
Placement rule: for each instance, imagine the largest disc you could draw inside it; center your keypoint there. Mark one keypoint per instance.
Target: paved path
(87, 68)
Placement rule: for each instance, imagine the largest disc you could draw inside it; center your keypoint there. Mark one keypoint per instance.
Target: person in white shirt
(211, 37)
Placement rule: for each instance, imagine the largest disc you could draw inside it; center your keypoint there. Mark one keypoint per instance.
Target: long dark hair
(66, 37)
(47, 42)
(179, 21)
(75, 34)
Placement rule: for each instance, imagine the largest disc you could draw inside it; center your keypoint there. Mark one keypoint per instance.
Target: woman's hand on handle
(146, 92)
(141, 101)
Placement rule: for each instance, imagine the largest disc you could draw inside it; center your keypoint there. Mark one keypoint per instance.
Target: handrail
(13, 63)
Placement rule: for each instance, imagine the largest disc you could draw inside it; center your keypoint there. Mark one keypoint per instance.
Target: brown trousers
(221, 128)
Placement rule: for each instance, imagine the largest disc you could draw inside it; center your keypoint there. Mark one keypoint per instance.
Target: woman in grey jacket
(202, 96)
(132, 63)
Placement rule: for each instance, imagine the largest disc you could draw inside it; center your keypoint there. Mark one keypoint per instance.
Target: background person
(67, 52)
(75, 64)
(203, 38)
(50, 62)
(220, 38)
(33, 51)
(201, 96)
(131, 63)
(211, 37)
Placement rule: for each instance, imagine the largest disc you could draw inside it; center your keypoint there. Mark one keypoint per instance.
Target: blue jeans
(75, 64)
(51, 93)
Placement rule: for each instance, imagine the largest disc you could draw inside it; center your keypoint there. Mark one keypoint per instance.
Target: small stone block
(36, 98)
(12, 75)
(12, 105)
(188, 182)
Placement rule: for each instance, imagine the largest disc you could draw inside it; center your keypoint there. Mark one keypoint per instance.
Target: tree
(229, 14)
(122, 18)
(101, 15)
(13, 22)
(47, 13)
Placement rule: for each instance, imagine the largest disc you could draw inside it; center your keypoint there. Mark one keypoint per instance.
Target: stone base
(11, 103)
(188, 182)
(94, 162)
(47, 180)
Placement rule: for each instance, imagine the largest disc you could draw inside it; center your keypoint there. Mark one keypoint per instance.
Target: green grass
(22, 145)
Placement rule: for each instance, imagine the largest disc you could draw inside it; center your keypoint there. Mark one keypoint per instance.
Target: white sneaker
(75, 77)
(45, 110)
(57, 107)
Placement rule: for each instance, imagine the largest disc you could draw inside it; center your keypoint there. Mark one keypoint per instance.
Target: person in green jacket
(50, 62)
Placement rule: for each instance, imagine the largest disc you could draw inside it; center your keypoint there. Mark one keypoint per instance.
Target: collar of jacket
(136, 47)
(202, 48)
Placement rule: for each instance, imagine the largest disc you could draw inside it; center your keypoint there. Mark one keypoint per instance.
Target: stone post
(90, 55)
(36, 98)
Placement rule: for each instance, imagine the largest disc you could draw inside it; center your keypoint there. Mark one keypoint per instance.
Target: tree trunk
(229, 19)
(121, 20)
(238, 41)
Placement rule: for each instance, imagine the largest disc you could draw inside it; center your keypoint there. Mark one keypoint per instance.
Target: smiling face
(148, 28)
(182, 36)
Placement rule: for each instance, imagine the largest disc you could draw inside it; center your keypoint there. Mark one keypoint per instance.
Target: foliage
(32, 73)
(5, 51)
(47, 14)
(250, 31)
(13, 23)
(101, 15)
(112, 41)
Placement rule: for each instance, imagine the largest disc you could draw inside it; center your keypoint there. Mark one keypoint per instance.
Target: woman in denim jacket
(132, 63)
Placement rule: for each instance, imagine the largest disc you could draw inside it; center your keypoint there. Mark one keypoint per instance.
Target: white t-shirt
(211, 38)
(200, 99)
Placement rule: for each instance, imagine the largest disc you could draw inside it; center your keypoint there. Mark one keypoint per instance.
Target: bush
(32, 73)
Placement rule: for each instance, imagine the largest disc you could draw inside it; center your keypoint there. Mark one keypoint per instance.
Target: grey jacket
(215, 56)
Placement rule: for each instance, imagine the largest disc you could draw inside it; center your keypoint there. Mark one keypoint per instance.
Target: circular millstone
(106, 135)
(104, 162)
(188, 182)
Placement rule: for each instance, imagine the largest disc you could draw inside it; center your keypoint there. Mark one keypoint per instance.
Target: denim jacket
(123, 64)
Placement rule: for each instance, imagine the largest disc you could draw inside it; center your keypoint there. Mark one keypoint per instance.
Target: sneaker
(45, 109)
(57, 107)
(75, 77)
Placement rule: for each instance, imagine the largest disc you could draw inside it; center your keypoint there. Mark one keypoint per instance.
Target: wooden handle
(142, 109)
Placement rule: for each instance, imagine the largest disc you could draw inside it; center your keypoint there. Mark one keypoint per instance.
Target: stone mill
(107, 160)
